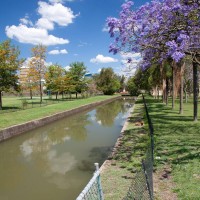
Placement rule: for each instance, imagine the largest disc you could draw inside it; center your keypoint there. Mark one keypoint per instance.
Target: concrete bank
(22, 128)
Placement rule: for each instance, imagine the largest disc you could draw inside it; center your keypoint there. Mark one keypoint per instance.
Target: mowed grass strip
(177, 147)
(13, 118)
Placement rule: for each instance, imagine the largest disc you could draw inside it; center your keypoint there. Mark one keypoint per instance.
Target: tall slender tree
(37, 66)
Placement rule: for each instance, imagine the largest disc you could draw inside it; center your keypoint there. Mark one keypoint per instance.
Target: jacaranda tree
(160, 30)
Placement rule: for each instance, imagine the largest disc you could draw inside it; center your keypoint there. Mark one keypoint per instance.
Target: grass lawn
(177, 147)
(12, 118)
(13, 103)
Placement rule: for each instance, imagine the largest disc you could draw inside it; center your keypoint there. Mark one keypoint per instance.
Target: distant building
(23, 72)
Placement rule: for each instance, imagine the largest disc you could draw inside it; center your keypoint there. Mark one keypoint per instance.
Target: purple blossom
(159, 29)
(177, 56)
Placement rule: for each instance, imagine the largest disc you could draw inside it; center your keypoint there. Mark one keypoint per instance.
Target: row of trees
(55, 78)
(166, 34)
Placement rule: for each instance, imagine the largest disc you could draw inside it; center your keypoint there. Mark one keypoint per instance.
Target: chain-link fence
(93, 190)
(142, 185)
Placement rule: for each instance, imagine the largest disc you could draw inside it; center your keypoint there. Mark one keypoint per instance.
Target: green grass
(13, 118)
(177, 144)
(115, 182)
(16, 103)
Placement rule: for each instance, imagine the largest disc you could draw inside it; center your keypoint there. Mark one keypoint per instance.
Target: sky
(72, 30)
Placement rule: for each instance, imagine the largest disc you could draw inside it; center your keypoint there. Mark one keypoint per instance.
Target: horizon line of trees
(54, 77)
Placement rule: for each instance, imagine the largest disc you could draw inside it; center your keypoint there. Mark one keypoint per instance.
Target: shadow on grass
(11, 108)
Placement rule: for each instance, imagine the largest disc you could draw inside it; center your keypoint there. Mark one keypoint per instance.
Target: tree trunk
(155, 92)
(163, 83)
(1, 107)
(173, 85)
(167, 91)
(56, 95)
(164, 90)
(31, 93)
(40, 91)
(76, 95)
(186, 96)
(195, 90)
(182, 66)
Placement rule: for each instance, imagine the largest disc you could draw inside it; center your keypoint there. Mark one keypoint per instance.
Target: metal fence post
(99, 183)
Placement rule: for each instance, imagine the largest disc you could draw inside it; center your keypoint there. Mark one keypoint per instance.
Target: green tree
(9, 64)
(37, 65)
(132, 87)
(77, 76)
(53, 78)
(107, 81)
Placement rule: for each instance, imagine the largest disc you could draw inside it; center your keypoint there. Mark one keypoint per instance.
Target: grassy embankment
(22, 116)
(177, 149)
(177, 154)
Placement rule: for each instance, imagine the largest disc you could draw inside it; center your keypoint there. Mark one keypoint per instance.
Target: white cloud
(26, 21)
(56, 52)
(67, 68)
(105, 29)
(103, 59)
(27, 32)
(136, 56)
(31, 35)
(63, 51)
(45, 24)
(55, 1)
(99, 70)
(56, 13)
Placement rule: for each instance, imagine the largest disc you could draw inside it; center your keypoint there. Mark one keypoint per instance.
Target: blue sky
(72, 30)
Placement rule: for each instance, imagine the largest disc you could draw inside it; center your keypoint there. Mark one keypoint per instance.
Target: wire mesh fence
(93, 190)
(142, 185)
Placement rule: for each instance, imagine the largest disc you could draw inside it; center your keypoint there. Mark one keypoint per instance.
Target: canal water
(55, 162)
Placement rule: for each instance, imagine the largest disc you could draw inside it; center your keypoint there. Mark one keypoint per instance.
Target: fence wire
(93, 190)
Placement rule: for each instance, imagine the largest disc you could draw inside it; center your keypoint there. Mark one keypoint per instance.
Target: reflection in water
(105, 115)
(96, 153)
(60, 164)
(56, 161)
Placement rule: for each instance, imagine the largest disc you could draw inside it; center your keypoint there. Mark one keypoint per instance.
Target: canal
(55, 162)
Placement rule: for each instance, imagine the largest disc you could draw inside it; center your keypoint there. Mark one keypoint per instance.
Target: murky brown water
(55, 162)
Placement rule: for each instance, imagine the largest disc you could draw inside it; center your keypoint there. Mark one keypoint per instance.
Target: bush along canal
(56, 161)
